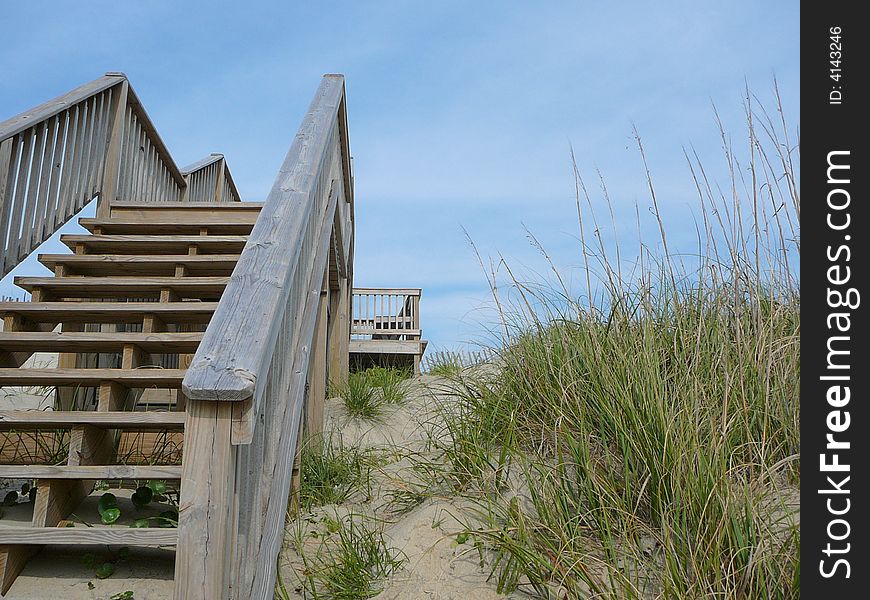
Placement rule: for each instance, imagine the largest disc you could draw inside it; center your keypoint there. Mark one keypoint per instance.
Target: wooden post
(317, 367)
(219, 180)
(339, 332)
(109, 187)
(204, 521)
(415, 324)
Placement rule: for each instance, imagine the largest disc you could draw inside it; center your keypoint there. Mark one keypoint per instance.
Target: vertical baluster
(369, 322)
(71, 204)
(44, 180)
(129, 165)
(57, 169)
(140, 162)
(147, 171)
(123, 173)
(20, 197)
(134, 156)
(8, 159)
(153, 167)
(40, 135)
(67, 166)
(155, 170)
(98, 146)
(87, 156)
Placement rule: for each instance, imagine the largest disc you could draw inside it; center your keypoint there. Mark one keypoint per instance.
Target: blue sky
(461, 114)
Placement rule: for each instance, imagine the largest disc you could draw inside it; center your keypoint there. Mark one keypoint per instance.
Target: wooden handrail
(95, 141)
(238, 346)
(263, 362)
(201, 163)
(40, 113)
(403, 291)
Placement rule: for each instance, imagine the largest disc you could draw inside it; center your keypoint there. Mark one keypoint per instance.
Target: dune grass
(388, 381)
(351, 563)
(642, 441)
(367, 394)
(638, 440)
(331, 472)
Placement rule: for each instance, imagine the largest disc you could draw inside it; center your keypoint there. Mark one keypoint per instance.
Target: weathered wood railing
(279, 332)
(386, 313)
(96, 140)
(209, 180)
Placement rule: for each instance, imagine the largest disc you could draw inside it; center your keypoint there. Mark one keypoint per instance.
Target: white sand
(437, 567)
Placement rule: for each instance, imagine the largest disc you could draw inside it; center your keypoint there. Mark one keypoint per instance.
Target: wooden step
(74, 536)
(50, 341)
(130, 378)
(193, 212)
(130, 264)
(126, 287)
(155, 244)
(57, 419)
(182, 210)
(214, 224)
(90, 472)
(109, 312)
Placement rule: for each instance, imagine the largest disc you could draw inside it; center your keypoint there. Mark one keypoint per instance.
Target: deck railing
(259, 375)
(95, 141)
(386, 313)
(209, 180)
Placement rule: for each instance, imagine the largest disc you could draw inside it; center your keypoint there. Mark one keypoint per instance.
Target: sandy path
(437, 567)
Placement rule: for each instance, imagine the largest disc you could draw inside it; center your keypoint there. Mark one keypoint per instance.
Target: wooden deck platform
(386, 328)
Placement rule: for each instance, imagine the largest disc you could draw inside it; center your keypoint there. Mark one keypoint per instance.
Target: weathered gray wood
(139, 378)
(402, 291)
(238, 345)
(202, 163)
(48, 173)
(220, 175)
(28, 118)
(8, 152)
(385, 347)
(217, 223)
(120, 208)
(39, 419)
(110, 312)
(264, 473)
(339, 332)
(89, 472)
(317, 371)
(155, 244)
(204, 535)
(18, 207)
(49, 341)
(137, 264)
(105, 287)
(75, 536)
(112, 168)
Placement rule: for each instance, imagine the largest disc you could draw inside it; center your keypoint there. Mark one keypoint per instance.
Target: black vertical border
(827, 127)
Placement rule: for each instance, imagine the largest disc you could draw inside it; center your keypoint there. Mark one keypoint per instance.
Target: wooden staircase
(125, 313)
(195, 333)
